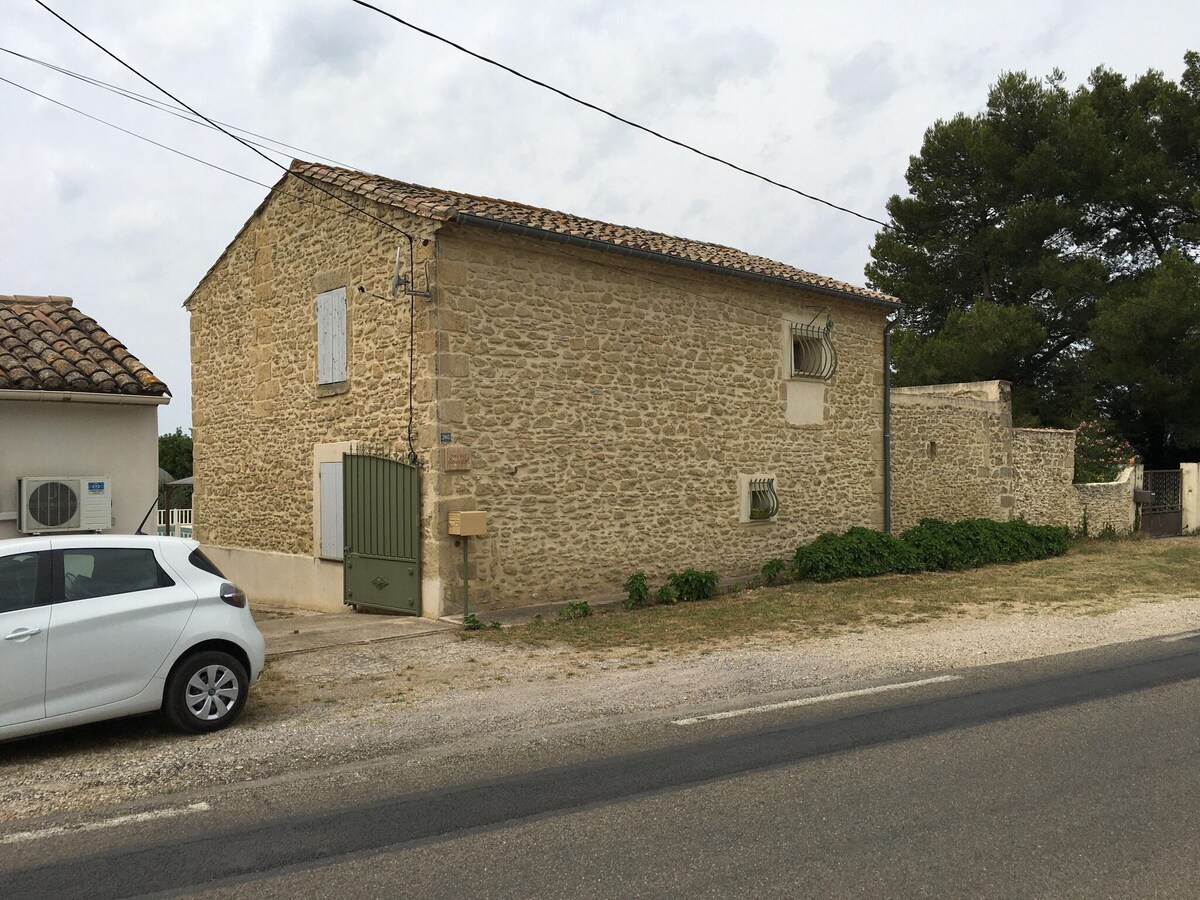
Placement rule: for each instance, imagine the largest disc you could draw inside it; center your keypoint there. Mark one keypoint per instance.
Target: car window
(18, 581)
(204, 564)
(102, 571)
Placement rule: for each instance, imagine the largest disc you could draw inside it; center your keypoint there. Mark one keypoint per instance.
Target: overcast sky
(829, 97)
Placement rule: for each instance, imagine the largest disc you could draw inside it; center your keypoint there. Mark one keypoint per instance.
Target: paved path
(302, 632)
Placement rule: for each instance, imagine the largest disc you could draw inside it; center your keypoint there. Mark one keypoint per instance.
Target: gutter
(462, 218)
(85, 397)
(887, 424)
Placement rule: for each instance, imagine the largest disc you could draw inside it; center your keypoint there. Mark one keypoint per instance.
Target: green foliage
(693, 585)
(1100, 455)
(1146, 358)
(1029, 232)
(665, 595)
(637, 591)
(774, 570)
(982, 342)
(471, 622)
(941, 545)
(932, 545)
(175, 453)
(860, 552)
(970, 543)
(576, 609)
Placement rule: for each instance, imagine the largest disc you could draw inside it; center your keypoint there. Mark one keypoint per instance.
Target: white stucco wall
(56, 437)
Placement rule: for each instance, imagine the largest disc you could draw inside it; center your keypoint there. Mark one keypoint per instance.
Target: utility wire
(140, 137)
(274, 189)
(613, 115)
(176, 111)
(355, 209)
(310, 182)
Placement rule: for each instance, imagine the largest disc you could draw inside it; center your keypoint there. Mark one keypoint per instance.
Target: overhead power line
(177, 111)
(310, 182)
(615, 116)
(140, 137)
(274, 189)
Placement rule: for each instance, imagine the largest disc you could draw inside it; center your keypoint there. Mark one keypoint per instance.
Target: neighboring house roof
(46, 344)
(506, 215)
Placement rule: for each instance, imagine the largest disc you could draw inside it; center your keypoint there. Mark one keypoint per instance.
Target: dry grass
(1094, 577)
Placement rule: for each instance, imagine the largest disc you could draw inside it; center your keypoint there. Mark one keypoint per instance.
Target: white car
(100, 626)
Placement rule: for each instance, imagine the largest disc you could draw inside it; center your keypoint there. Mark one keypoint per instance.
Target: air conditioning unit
(72, 503)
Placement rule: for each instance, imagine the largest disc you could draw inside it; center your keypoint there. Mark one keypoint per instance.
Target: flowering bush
(1100, 455)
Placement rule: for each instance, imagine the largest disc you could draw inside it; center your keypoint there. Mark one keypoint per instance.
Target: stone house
(614, 399)
(78, 423)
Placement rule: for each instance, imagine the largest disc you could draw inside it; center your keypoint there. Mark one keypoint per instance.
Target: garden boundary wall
(956, 455)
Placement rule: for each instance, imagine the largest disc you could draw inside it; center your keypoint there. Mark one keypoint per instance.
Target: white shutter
(332, 535)
(331, 337)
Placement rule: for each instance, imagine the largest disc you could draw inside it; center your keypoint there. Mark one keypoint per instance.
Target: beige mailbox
(471, 523)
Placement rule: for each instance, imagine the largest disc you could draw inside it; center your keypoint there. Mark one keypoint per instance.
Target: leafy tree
(175, 453)
(1023, 219)
(1146, 359)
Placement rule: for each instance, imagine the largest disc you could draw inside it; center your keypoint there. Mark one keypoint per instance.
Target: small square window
(758, 500)
(813, 354)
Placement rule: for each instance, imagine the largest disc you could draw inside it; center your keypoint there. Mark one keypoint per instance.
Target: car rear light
(233, 595)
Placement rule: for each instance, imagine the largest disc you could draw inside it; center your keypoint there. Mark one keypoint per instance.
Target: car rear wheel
(206, 692)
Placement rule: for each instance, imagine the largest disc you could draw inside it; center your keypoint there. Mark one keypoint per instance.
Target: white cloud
(829, 98)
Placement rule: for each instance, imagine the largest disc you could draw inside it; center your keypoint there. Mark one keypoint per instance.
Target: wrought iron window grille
(813, 353)
(764, 502)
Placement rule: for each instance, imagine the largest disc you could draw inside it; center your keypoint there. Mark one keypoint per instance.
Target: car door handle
(22, 634)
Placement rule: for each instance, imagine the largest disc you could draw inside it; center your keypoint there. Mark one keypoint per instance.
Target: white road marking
(809, 701)
(18, 837)
(1180, 637)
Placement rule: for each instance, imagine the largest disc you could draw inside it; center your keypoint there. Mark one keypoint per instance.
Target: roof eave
(654, 256)
(84, 397)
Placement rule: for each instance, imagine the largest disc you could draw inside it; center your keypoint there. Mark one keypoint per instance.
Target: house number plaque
(456, 458)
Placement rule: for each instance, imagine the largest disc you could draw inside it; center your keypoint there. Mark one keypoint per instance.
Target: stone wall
(610, 406)
(1044, 464)
(951, 453)
(257, 411)
(956, 455)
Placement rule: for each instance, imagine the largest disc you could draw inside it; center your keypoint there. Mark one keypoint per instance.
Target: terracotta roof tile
(46, 344)
(447, 205)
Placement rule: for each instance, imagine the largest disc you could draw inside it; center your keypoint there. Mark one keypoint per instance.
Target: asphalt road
(1070, 776)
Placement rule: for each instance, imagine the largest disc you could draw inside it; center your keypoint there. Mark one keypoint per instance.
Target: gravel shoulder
(345, 704)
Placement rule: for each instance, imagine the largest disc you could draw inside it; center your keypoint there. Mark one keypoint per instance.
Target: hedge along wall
(955, 455)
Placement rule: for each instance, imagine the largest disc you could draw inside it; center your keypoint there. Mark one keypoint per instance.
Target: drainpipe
(887, 425)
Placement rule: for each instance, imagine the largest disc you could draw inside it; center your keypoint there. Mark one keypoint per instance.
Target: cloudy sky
(829, 97)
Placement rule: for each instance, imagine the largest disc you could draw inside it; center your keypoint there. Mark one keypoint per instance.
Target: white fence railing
(175, 523)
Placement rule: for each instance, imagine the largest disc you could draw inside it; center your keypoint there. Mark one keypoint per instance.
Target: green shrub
(692, 585)
(774, 571)
(941, 545)
(666, 595)
(931, 545)
(858, 553)
(637, 591)
(576, 609)
(471, 622)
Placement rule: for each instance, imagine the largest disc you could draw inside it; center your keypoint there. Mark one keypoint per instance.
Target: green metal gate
(382, 528)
